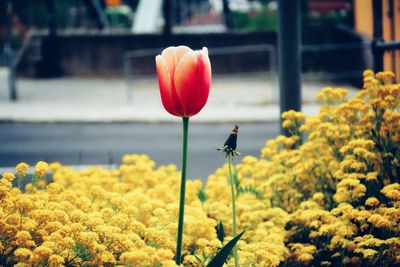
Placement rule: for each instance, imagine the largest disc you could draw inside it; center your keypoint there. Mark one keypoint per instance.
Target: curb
(257, 114)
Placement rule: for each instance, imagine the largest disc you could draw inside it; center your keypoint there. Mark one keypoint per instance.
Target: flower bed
(332, 200)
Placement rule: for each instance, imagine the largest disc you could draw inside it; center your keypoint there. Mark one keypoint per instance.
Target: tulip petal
(169, 99)
(172, 55)
(192, 81)
(181, 51)
(205, 51)
(168, 54)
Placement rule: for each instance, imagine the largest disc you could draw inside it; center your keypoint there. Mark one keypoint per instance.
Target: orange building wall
(387, 62)
(364, 24)
(363, 17)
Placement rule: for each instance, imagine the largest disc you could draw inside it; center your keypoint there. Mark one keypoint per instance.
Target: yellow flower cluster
(41, 168)
(352, 161)
(292, 121)
(22, 169)
(341, 187)
(331, 200)
(128, 217)
(332, 95)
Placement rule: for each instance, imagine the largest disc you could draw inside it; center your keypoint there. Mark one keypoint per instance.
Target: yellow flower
(372, 202)
(392, 191)
(8, 176)
(22, 253)
(41, 168)
(368, 253)
(379, 221)
(22, 237)
(22, 169)
(318, 197)
(368, 73)
(56, 260)
(134, 257)
(372, 176)
(43, 251)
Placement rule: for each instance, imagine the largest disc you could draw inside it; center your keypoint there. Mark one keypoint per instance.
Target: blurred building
(96, 34)
(363, 23)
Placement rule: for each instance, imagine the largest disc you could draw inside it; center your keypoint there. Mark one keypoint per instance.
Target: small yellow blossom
(372, 202)
(22, 253)
(41, 168)
(8, 176)
(22, 169)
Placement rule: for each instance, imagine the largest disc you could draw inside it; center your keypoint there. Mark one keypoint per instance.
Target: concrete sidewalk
(236, 98)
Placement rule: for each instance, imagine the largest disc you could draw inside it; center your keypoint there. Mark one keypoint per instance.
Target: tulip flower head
(184, 78)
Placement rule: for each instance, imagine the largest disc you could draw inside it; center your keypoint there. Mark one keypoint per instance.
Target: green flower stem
(235, 250)
(19, 180)
(182, 194)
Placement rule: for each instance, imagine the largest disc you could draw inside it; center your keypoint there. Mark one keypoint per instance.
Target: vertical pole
(189, 9)
(30, 15)
(51, 18)
(274, 73)
(289, 56)
(128, 77)
(378, 35)
(102, 22)
(167, 7)
(178, 12)
(52, 62)
(227, 14)
(9, 54)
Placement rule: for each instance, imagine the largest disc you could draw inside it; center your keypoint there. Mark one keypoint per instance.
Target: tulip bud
(184, 79)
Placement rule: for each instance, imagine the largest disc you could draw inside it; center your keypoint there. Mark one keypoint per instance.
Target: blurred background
(87, 66)
(93, 36)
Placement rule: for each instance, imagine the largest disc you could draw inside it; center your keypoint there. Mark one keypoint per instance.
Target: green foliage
(20, 180)
(82, 252)
(249, 190)
(202, 261)
(220, 232)
(35, 180)
(263, 20)
(202, 195)
(220, 258)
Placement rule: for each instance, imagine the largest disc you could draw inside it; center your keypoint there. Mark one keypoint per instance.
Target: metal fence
(343, 55)
(347, 62)
(225, 60)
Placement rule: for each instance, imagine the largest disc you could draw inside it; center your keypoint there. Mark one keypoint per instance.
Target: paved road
(105, 143)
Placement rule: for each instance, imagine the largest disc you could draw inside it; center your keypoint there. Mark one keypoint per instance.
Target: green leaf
(198, 259)
(223, 254)
(249, 190)
(81, 251)
(220, 232)
(202, 195)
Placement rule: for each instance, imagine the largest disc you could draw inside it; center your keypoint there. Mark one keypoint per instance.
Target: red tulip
(184, 78)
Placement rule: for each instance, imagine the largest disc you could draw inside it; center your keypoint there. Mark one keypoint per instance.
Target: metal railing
(216, 51)
(364, 47)
(270, 69)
